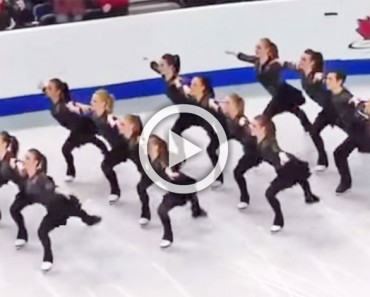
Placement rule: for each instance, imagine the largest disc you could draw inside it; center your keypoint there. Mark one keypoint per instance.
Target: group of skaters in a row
(87, 123)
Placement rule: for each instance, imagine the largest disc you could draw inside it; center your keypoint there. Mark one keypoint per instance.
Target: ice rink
(323, 251)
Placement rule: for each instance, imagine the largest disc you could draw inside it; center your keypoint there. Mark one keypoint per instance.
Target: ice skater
(102, 107)
(9, 147)
(289, 169)
(285, 98)
(38, 188)
(311, 67)
(238, 129)
(201, 94)
(131, 127)
(158, 155)
(354, 120)
(71, 116)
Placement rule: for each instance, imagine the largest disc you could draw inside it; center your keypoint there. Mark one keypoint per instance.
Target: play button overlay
(181, 149)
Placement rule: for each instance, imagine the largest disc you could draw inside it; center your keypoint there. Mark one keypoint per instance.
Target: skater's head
(262, 127)
(233, 106)
(367, 107)
(201, 88)
(311, 61)
(8, 143)
(158, 150)
(266, 49)
(35, 162)
(169, 66)
(57, 91)
(335, 80)
(130, 127)
(102, 102)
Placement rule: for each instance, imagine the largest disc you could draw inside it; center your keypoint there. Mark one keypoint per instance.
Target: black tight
(114, 157)
(144, 183)
(341, 155)
(185, 121)
(279, 184)
(248, 161)
(76, 140)
(172, 200)
(276, 107)
(58, 211)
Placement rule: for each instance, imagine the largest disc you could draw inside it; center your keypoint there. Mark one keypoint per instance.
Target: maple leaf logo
(364, 31)
(364, 28)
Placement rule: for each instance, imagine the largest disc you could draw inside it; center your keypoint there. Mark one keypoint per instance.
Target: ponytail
(11, 141)
(208, 89)
(13, 146)
(268, 124)
(107, 98)
(318, 60)
(173, 60)
(65, 95)
(41, 159)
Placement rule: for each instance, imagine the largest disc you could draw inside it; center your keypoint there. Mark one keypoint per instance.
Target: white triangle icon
(180, 149)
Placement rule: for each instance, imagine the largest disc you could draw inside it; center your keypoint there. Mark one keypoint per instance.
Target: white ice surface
(324, 250)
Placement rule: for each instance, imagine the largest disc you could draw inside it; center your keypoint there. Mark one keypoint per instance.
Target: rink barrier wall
(150, 87)
(109, 53)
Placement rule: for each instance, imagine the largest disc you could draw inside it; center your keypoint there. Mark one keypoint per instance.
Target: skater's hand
(212, 103)
(355, 101)
(171, 174)
(42, 85)
(178, 82)
(319, 76)
(243, 121)
(112, 121)
(13, 163)
(73, 107)
(17, 165)
(283, 158)
(84, 108)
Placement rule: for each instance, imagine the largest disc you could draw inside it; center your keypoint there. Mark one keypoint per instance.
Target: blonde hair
(239, 102)
(107, 98)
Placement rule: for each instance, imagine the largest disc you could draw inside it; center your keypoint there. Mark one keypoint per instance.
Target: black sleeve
(275, 69)
(290, 66)
(177, 96)
(46, 184)
(247, 58)
(155, 67)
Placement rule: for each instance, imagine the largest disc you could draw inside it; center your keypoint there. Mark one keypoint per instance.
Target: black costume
(290, 171)
(41, 189)
(171, 200)
(82, 131)
(187, 120)
(355, 123)
(117, 154)
(251, 157)
(144, 183)
(7, 173)
(317, 91)
(284, 96)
